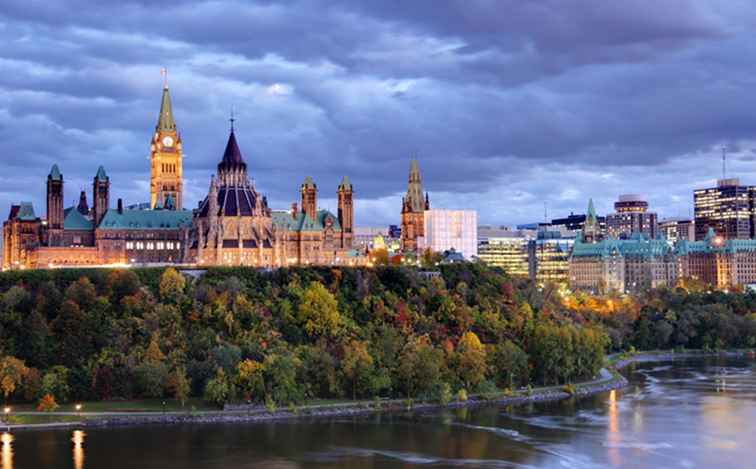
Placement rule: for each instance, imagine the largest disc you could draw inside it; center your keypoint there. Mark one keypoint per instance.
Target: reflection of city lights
(78, 448)
(614, 435)
(7, 451)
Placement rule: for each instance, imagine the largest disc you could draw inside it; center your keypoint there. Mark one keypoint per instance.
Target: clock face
(168, 141)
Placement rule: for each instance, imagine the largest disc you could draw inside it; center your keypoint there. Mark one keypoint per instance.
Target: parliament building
(233, 225)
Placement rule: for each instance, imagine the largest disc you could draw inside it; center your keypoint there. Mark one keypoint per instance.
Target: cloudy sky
(508, 104)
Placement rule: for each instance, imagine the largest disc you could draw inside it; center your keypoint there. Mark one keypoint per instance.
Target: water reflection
(78, 448)
(7, 451)
(614, 435)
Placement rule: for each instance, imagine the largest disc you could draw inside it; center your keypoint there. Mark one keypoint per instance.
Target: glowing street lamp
(78, 409)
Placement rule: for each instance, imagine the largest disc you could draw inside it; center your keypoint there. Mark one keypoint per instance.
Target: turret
(345, 211)
(309, 193)
(55, 199)
(100, 195)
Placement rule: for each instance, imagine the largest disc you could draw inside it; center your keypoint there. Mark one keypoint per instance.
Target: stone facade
(413, 210)
(234, 225)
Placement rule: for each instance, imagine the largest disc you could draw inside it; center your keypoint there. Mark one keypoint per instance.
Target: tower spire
(164, 73)
(165, 120)
(232, 119)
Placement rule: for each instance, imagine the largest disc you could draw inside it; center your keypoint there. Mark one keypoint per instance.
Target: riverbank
(608, 379)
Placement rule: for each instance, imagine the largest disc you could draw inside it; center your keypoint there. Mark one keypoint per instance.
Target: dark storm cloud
(507, 103)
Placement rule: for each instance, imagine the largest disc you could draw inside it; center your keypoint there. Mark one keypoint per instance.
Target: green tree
(172, 285)
(55, 382)
(217, 390)
(280, 373)
(318, 311)
(509, 364)
(420, 366)
(357, 367)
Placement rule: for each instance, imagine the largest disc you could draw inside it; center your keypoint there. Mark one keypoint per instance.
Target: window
(160, 245)
(150, 245)
(129, 245)
(139, 245)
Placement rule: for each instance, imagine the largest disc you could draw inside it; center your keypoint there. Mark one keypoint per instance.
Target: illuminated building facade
(450, 229)
(728, 209)
(718, 261)
(622, 264)
(677, 229)
(510, 253)
(631, 216)
(549, 257)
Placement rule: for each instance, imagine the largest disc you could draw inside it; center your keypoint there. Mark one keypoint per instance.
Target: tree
(217, 390)
(250, 379)
(12, 373)
(172, 285)
(318, 311)
(420, 366)
(83, 293)
(68, 327)
(178, 384)
(471, 360)
(509, 364)
(281, 369)
(47, 403)
(357, 366)
(55, 383)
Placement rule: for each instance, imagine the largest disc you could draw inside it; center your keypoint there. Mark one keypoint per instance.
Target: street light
(78, 409)
(6, 411)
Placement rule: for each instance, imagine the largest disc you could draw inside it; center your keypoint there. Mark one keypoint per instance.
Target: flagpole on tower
(164, 73)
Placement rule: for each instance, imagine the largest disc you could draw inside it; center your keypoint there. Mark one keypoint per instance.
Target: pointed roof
(169, 204)
(308, 182)
(101, 174)
(345, 184)
(232, 156)
(165, 119)
(55, 173)
(83, 207)
(26, 212)
(591, 209)
(414, 197)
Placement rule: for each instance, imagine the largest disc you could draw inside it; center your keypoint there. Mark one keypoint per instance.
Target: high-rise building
(508, 252)
(413, 209)
(166, 159)
(549, 257)
(631, 216)
(450, 229)
(728, 209)
(676, 229)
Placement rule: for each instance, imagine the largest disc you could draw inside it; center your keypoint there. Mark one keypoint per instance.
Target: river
(673, 415)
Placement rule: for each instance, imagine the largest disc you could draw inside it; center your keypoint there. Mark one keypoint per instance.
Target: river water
(674, 415)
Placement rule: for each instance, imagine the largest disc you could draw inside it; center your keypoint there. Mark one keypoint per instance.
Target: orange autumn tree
(47, 403)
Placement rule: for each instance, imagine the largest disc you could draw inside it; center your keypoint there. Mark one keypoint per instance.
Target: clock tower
(166, 172)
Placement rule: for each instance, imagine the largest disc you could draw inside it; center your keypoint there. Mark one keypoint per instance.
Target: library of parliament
(233, 225)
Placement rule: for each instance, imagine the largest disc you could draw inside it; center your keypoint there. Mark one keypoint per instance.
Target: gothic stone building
(413, 210)
(233, 225)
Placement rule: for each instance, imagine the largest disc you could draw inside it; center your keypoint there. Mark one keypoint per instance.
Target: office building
(728, 209)
(631, 216)
(447, 229)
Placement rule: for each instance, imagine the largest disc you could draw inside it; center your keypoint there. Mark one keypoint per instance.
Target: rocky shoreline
(611, 379)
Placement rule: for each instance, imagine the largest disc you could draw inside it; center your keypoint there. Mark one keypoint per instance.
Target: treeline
(671, 318)
(284, 336)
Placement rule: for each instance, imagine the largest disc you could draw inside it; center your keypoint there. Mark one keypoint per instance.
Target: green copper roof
(74, 220)
(638, 245)
(304, 223)
(55, 173)
(101, 174)
(145, 219)
(591, 212)
(714, 244)
(165, 120)
(308, 182)
(26, 212)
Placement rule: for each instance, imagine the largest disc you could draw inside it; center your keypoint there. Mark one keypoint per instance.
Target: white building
(447, 229)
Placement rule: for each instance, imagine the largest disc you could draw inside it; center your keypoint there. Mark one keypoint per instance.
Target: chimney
(294, 210)
(120, 205)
